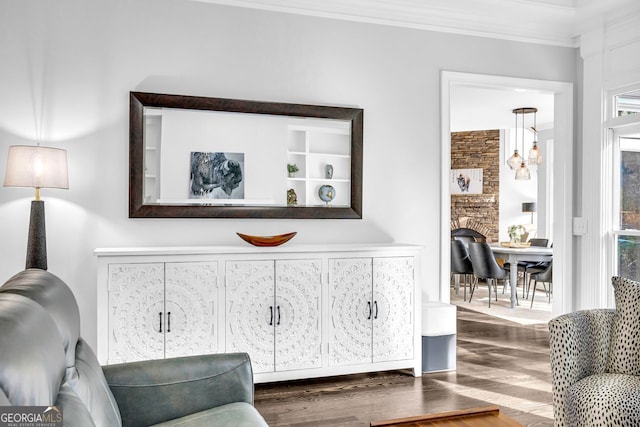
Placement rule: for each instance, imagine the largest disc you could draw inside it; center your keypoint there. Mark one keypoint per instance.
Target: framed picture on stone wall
(465, 181)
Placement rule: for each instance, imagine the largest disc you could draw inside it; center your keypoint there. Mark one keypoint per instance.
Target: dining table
(513, 255)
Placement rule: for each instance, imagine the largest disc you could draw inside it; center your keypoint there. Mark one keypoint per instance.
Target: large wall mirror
(224, 158)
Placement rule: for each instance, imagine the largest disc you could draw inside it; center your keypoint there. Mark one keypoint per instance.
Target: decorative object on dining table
(515, 233)
(515, 244)
(292, 168)
(327, 193)
(267, 240)
(328, 171)
(292, 197)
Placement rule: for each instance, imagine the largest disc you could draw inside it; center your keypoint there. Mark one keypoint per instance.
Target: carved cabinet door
(136, 308)
(251, 312)
(393, 322)
(190, 307)
(350, 325)
(297, 324)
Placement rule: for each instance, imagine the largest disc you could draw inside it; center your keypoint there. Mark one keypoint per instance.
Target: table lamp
(529, 207)
(38, 167)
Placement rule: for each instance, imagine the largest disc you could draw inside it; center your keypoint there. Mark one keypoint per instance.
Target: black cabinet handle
(168, 322)
(271, 310)
(369, 305)
(375, 303)
(160, 330)
(278, 308)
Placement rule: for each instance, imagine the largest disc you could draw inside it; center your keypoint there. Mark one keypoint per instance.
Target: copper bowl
(267, 240)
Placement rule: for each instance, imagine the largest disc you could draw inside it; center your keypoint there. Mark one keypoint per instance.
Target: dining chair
(543, 276)
(485, 267)
(524, 266)
(464, 239)
(461, 263)
(536, 241)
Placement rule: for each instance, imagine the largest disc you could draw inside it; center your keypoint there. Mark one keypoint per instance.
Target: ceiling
(480, 108)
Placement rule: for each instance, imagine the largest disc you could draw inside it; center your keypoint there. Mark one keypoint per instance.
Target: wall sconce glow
(38, 167)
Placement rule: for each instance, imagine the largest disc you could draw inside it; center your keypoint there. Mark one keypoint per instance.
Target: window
(627, 202)
(627, 103)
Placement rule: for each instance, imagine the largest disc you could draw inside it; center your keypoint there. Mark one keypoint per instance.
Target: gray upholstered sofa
(44, 362)
(595, 362)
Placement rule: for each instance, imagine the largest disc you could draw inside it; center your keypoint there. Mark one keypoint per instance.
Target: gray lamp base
(37, 242)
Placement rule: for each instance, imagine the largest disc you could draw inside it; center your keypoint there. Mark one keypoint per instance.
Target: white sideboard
(300, 311)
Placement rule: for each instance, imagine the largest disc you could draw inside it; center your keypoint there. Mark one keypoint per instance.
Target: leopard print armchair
(595, 363)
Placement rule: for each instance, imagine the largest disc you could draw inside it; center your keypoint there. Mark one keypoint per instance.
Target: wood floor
(498, 362)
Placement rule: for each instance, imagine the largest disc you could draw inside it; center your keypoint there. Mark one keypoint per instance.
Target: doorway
(561, 171)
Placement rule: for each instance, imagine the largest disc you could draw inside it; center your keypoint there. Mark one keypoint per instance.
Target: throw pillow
(624, 352)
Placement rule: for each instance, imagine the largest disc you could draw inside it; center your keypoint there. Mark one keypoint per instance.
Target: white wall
(68, 67)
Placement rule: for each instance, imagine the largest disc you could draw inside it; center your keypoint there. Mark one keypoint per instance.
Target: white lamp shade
(38, 167)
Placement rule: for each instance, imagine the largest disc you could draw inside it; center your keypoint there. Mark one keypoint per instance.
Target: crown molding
(549, 22)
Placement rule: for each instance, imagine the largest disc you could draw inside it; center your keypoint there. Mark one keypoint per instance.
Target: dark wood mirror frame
(137, 207)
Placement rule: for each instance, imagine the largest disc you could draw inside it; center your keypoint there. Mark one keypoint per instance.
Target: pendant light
(523, 172)
(535, 156)
(515, 160)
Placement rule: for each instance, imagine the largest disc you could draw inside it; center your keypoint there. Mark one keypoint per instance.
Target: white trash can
(438, 337)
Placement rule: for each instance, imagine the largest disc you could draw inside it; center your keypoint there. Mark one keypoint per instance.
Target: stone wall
(471, 150)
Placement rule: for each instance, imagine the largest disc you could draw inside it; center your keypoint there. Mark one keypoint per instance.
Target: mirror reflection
(222, 158)
(213, 157)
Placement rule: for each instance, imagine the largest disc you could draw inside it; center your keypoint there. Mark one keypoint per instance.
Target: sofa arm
(154, 391)
(579, 347)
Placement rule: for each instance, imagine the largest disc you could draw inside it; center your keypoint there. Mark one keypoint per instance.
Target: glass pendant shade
(514, 160)
(523, 172)
(535, 156)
